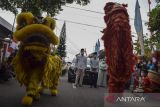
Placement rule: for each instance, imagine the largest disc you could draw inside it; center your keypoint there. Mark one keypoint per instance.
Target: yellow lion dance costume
(34, 65)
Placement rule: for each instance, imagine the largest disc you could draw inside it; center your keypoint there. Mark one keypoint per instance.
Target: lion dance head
(34, 63)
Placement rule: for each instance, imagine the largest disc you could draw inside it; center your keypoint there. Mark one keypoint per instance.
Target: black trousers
(93, 79)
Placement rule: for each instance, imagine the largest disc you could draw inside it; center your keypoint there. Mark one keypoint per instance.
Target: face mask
(82, 53)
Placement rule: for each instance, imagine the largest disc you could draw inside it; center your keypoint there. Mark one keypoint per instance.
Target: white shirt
(94, 63)
(81, 62)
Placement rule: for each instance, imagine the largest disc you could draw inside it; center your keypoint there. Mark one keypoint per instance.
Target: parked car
(72, 74)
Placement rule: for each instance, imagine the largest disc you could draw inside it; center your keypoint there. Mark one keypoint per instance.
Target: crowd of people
(6, 69)
(141, 72)
(98, 74)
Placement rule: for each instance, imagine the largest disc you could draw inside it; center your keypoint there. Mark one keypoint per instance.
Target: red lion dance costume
(118, 46)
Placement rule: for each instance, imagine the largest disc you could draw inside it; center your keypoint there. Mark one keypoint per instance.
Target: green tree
(52, 7)
(157, 1)
(154, 25)
(148, 46)
(61, 50)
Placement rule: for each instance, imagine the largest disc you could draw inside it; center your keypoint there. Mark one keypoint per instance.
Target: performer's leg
(115, 86)
(32, 88)
(53, 89)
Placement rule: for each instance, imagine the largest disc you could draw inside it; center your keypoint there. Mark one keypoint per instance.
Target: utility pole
(149, 2)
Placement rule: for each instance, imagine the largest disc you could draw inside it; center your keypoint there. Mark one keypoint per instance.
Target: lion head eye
(24, 19)
(21, 24)
(50, 22)
(44, 22)
(35, 20)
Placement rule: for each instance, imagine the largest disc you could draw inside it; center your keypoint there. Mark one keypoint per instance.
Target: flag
(138, 19)
(98, 43)
(139, 27)
(97, 47)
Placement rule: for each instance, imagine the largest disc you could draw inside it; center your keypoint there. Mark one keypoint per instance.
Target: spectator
(102, 74)
(150, 65)
(94, 62)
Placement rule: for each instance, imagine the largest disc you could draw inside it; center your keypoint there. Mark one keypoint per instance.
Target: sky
(80, 36)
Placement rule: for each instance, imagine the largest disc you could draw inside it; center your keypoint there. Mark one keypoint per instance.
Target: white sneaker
(74, 86)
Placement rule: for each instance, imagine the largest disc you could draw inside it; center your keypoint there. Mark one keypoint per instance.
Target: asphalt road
(11, 94)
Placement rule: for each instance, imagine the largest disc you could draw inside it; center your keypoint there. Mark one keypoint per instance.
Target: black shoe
(95, 86)
(80, 85)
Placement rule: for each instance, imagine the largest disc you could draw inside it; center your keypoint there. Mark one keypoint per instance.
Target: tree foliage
(157, 1)
(154, 21)
(52, 7)
(150, 43)
(7, 5)
(154, 25)
(61, 50)
(148, 46)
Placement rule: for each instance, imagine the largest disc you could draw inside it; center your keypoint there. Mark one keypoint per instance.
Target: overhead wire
(74, 48)
(86, 24)
(94, 11)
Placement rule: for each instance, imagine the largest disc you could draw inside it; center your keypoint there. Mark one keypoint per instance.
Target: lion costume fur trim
(36, 28)
(52, 71)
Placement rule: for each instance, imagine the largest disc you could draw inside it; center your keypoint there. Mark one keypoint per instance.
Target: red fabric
(136, 83)
(146, 85)
(111, 99)
(146, 82)
(118, 46)
(10, 49)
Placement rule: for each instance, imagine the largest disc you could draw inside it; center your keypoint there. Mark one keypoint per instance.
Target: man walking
(94, 62)
(81, 64)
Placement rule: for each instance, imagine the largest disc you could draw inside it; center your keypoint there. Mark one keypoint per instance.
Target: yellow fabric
(26, 31)
(33, 64)
(50, 22)
(27, 100)
(26, 17)
(51, 73)
(54, 92)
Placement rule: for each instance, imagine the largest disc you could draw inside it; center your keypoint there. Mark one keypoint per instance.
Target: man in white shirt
(81, 64)
(94, 62)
